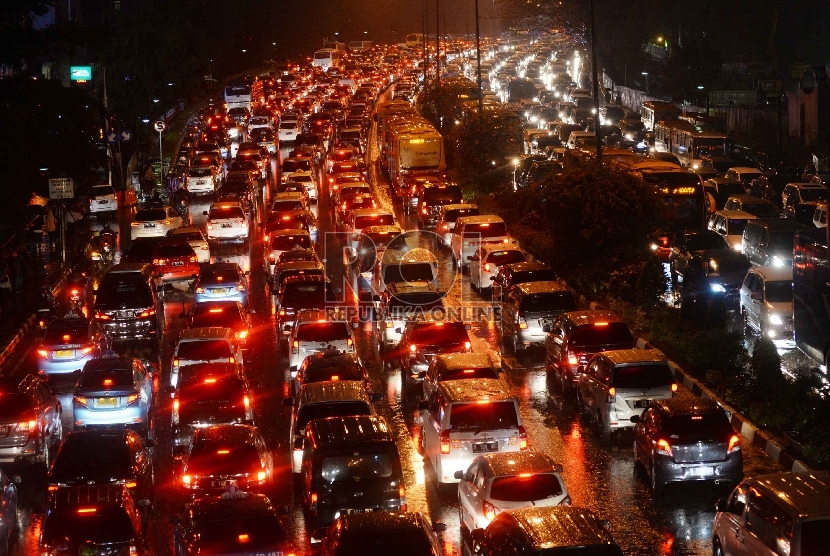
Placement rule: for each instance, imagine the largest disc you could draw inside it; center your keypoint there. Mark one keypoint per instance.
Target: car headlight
(776, 320)
(718, 288)
(738, 247)
(629, 136)
(777, 261)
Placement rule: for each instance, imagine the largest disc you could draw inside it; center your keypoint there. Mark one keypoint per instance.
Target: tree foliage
(483, 143)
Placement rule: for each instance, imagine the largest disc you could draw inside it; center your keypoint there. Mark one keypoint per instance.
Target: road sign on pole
(61, 188)
(125, 136)
(159, 125)
(112, 137)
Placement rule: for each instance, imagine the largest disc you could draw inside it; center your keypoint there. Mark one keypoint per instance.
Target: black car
(240, 524)
(383, 533)
(100, 519)
(687, 439)
(30, 420)
(716, 272)
(687, 248)
(518, 273)
(141, 251)
(117, 457)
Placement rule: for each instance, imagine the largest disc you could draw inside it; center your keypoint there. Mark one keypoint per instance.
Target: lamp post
(516, 162)
(478, 62)
(595, 78)
(646, 74)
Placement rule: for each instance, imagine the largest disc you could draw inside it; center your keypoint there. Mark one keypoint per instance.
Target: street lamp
(516, 162)
(646, 74)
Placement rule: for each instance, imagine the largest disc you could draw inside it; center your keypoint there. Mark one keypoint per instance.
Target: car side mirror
(398, 331)
(635, 419)
(722, 505)
(204, 213)
(477, 535)
(288, 402)
(422, 374)
(376, 298)
(439, 527)
(492, 278)
(469, 257)
(423, 405)
(459, 475)
(299, 443)
(468, 327)
(377, 396)
(318, 536)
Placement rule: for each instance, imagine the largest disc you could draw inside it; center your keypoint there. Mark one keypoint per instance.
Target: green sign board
(80, 73)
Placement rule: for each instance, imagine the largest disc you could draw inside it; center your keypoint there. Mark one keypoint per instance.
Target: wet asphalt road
(599, 476)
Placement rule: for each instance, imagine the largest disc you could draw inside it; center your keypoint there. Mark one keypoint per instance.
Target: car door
(431, 428)
(431, 378)
(587, 386)
(143, 385)
(142, 468)
(509, 316)
(49, 410)
(642, 438)
(753, 307)
(756, 521)
(467, 493)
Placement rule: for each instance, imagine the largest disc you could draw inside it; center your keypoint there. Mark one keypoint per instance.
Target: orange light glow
(216, 310)
(86, 510)
(223, 452)
(243, 538)
(210, 380)
(107, 382)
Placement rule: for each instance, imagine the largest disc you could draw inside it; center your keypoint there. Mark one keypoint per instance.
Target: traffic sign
(125, 136)
(159, 125)
(80, 73)
(112, 137)
(61, 188)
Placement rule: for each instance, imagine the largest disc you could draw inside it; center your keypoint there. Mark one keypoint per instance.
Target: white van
(204, 345)
(471, 232)
(463, 419)
(315, 331)
(414, 266)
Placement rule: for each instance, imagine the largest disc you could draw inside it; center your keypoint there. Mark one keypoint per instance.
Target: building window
(116, 5)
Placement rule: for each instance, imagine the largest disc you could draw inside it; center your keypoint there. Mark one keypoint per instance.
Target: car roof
(512, 463)
(221, 267)
(326, 392)
(474, 390)
(739, 214)
(748, 199)
(688, 406)
(452, 361)
(558, 526)
(480, 219)
(456, 206)
(807, 492)
(585, 317)
(490, 247)
(780, 224)
(807, 185)
(402, 288)
(371, 212)
(324, 359)
(382, 523)
(289, 232)
(745, 169)
(774, 273)
(110, 363)
(628, 356)
(216, 507)
(521, 267)
(543, 286)
(206, 333)
(349, 430)
(232, 434)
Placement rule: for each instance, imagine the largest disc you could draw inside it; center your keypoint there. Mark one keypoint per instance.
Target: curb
(24, 329)
(753, 434)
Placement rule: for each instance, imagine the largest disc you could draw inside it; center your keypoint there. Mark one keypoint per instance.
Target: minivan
(350, 465)
(204, 345)
(769, 242)
(770, 515)
(449, 214)
(730, 224)
(471, 232)
(466, 418)
(315, 331)
(308, 291)
(529, 310)
(125, 303)
(412, 266)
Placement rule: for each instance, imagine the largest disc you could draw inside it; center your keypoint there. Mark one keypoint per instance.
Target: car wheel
(465, 531)
(716, 548)
(604, 430)
(57, 436)
(657, 486)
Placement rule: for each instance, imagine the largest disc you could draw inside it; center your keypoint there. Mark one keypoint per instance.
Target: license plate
(483, 447)
(107, 402)
(227, 225)
(64, 353)
(222, 484)
(356, 511)
(220, 291)
(103, 202)
(700, 471)
(200, 182)
(178, 263)
(641, 404)
(149, 225)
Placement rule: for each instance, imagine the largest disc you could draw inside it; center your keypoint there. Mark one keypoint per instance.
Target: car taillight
(87, 350)
(261, 475)
(242, 334)
(200, 289)
(522, 438)
(313, 505)
(663, 448)
(133, 398)
(240, 287)
(468, 346)
(187, 479)
(612, 395)
(75, 292)
(193, 259)
(489, 510)
(80, 400)
(27, 426)
(674, 389)
(486, 267)
(573, 359)
(445, 442)
(413, 349)
(246, 401)
(102, 316)
(159, 262)
(43, 353)
(147, 313)
(734, 444)
(209, 226)
(521, 321)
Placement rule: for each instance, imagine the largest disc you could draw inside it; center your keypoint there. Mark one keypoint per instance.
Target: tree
(481, 143)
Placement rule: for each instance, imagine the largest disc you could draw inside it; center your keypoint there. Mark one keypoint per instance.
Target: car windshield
(602, 334)
(539, 275)
(188, 236)
(199, 172)
(779, 291)
(408, 272)
(321, 373)
(310, 412)
(290, 166)
(102, 190)
(761, 210)
(306, 295)
(357, 468)
(399, 543)
(91, 454)
(106, 378)
(219, 457)
(499, 258)
(782, 240)
(440, 334)
(148, 215)
(547, 302)
(736, 226)
(814, 195)
(287, 205)
(100, 524)
(361, 222)
(455, 214)
(700, 242)
(288, 125)
(219, 213)
(13, 405)
(474, 372)
(713, 425)
(485, 230)
(727, 264)
(526, 487)
(726, 189)
(226, 275)
(176, 250)
(204, 350)
(492, 415)
(117, 293)
(322, 332)
(287, 243)
(642, 376)
(61, 335)
(242, 535)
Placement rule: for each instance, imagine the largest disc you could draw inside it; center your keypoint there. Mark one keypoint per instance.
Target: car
(295, 268)
(309, 181)
(377, 533)
(690, 439)
(760, 208)
(154, 222)
(485, 262)
(8, 510)
(204, 345)
(289, 129)
(511, 274)
(92, 519)
(30, 420)
(280, 241)
(687, 246)
(103, 200)
(293, 220)
(361, 218)
(142, 251)
(288, 201)
(223, 455)
(504, 481)
(316, 330)
(222, 282)
(458, 366)
(349, 203)
(766, 301)
(547, 530)
(262, 162)
(716, 272)
(209, 394)
(576, 336)
(114, 392)
(431, 198)
(619, 384)
(330, 365)
(246, 523)
(744, 174)
(226, 220)
(399, 302)
(221, 314)
(529, 310)
(202, 180)
(730, 224)
(195, 237)
(174, 261)
(308, 291)
(67, 345)
(426, 336)
(125, 303)
(105, 457)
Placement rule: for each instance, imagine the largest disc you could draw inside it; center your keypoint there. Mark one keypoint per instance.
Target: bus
(414, 39)
(656, 111)
(688, 144)
(811, 294)
(704, 122)
(521, 89)
(326, 58)
(238, 95)
(360, 46)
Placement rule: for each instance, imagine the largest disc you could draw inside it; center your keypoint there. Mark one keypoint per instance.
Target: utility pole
(595, 77)
(478, 61)
(437, 42)
(424, 40)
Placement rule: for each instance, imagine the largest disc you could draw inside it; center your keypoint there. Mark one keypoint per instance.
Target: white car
(315, 331)
(281, 241)
(289, 130)
(227, 220)
(502, 481)
(259, 122)
(307, 179)
(154, 222)
(767, 301)
(484, 263)
(103, 200)
(201, 180)
(196, 239)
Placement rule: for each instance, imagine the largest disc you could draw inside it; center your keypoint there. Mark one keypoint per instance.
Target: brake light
(200, 289)
(243, 538)
(522, 322)
(193, 259)
(102, 316)
(600, 324)
(75, 292)
(734, 444)
(43, 353)
(231, 359)
(246, 401)
(468, 346)
(159, 262)
(522, 438)
(132, 398)
(186, 479)
(612, 395)
(176, 362)
(260, 476)
(86, 510)
(486, 267)
(147, 313)
(108, 382)
(445, 442)
(27, 426)
(674, 388)
(80, 400)
(175, 405)
(242, 334)
(663, 447)
(216, 310)
(490, 511)
(413, 348)
(313, 505)
(86, 350)
(573, 359)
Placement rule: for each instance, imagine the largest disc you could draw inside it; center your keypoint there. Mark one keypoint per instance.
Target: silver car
(114, 391)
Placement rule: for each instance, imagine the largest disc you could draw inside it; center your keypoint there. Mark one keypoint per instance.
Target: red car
(175, 260)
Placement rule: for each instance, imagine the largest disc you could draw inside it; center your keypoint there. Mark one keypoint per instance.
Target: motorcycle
(47, 311)
(75, 289)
